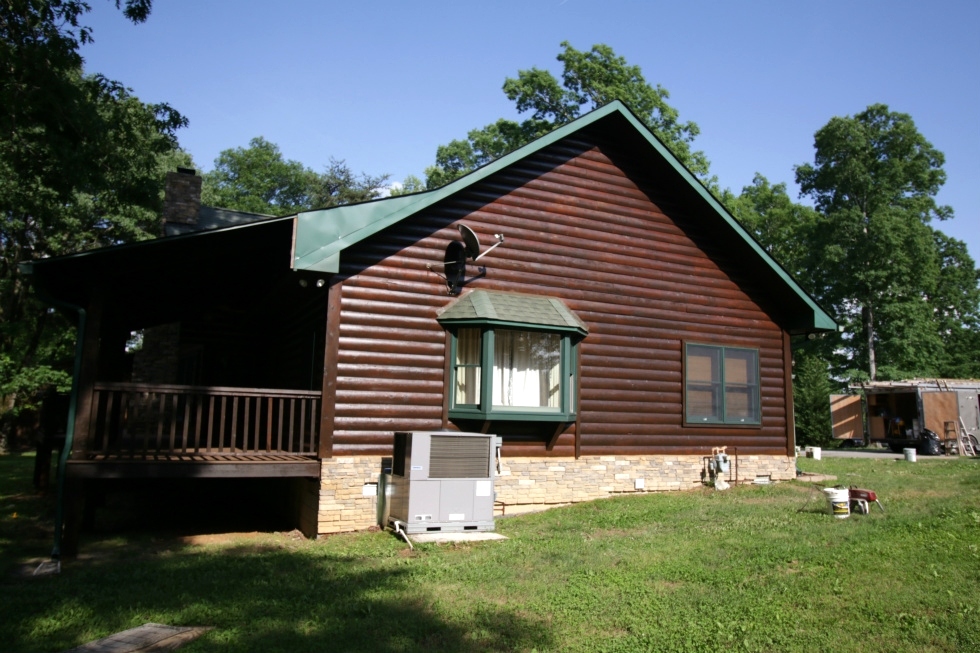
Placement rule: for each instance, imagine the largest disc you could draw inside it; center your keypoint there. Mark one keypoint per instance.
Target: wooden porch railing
(136, 420)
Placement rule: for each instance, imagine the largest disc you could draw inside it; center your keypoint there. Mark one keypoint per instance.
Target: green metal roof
(512, 309)
(321, 236)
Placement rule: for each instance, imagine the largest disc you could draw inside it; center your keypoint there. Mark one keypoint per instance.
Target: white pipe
(404, 535)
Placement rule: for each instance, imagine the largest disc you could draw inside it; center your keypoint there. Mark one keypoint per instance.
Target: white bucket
(813, 452)
(909, 455)
(839, 502)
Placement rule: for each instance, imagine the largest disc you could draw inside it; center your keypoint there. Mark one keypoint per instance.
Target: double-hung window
(721, 385)
(513, 357)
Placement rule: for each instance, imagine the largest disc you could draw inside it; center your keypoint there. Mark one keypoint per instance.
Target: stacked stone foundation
(348, 486)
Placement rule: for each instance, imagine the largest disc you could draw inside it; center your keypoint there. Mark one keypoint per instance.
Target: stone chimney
(182, 198)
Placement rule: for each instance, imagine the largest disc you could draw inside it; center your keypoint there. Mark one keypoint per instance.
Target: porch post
(87, 374)
(788, 385)
(331, 349)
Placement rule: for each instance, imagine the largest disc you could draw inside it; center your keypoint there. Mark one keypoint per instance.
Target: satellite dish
(454, 265)
(473, 243)
(454, 262)
(470, 240)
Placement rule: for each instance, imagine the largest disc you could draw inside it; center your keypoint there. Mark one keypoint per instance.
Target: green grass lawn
(754, 568)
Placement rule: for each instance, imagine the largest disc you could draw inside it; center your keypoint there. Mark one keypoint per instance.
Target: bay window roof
(513, 309)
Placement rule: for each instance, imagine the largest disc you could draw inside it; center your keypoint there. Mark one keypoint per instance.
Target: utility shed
(584, 297)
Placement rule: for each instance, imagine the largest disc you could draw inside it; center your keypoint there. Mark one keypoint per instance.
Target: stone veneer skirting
(348, 485)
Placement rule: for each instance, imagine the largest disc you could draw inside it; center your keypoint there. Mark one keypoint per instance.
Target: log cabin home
(617, 325)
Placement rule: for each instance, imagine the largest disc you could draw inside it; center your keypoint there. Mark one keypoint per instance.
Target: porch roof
(192, 270)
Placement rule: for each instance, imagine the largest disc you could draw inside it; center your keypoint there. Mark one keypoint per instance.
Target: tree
(956, 309)
(783, 227)
(339, 185)
(258, 179)
(79, 168)
(589, 80)
(412, 184)
(874, 181)
(811, 392)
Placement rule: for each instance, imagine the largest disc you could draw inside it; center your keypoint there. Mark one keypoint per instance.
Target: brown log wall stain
(579, 228)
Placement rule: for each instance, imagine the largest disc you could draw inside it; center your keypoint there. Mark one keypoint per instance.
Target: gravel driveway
(883, 454)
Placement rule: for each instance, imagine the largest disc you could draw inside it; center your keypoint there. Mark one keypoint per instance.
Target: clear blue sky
(381, 84)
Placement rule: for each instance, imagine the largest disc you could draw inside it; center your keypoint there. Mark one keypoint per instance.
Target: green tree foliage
(876, 263)
(956, 309)
(259, 180)
(783, 227)
(811, 392)
(256, 179)
(80, 167)
(589, 80)
(412, 184)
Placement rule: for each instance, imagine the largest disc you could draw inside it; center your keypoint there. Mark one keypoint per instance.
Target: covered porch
(200, 356)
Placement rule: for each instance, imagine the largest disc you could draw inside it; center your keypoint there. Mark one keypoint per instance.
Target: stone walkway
(148, 638)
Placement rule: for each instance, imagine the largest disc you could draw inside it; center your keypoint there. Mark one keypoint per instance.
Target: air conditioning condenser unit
(442, 481)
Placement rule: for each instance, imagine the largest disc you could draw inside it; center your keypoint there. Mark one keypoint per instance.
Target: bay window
(513, 357)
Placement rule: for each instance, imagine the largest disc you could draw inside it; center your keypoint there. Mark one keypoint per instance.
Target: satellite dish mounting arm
(500, 241)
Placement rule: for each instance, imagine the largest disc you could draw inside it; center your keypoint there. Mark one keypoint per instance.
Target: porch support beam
(788, 385)
(331, 350)
(87, 374)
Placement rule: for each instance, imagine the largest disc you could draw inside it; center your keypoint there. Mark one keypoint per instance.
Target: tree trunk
(867, 316)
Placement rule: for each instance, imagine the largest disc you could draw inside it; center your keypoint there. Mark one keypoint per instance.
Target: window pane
(703, 371)
(467, 367)
(741, 385)
(526, 369)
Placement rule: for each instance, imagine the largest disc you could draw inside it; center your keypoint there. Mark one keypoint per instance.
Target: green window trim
(541, 351)
(484, 407)
(721, 385)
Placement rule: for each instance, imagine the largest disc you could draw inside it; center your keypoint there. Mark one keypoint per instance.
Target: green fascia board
(322, 235)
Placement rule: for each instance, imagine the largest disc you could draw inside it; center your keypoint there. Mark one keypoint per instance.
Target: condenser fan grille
(452, 456)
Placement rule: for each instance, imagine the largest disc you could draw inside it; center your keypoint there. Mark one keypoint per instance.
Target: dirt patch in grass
(220, 538)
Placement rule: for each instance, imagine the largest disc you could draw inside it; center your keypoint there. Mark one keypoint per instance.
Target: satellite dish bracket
(500, 241)
(454, 267)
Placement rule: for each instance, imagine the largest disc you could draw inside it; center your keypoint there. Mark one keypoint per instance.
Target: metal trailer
(899, 413)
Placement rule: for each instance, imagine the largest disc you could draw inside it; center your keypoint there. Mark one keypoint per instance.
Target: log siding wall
(638, 269)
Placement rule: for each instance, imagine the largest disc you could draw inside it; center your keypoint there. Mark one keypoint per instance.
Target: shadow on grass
(260, 599)
(26, 515)
(271, 593)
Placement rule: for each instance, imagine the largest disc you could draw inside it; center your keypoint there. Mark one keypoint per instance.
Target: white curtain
(468, 367)
(526, 369)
